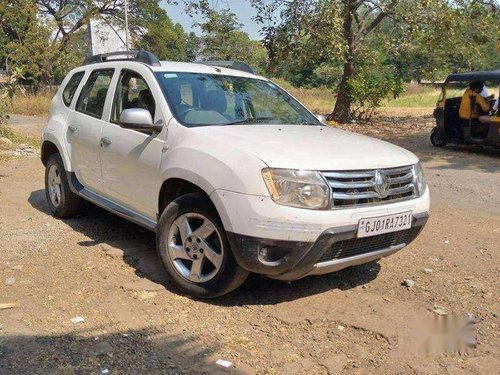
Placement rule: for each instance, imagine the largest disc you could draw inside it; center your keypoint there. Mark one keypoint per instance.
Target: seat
(175, 96)
(148, 101)
(216, 101)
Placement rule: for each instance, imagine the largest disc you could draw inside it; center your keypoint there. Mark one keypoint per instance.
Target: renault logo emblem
(381, 184)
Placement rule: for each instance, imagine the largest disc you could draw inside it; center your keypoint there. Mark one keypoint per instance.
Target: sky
(242, 8)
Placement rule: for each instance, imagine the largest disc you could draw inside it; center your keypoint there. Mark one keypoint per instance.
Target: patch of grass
(32, 104)
(17, 138)
(422, 99)
(320, 100)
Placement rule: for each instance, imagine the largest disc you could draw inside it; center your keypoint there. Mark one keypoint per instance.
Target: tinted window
(132, 91)
(70, 89)
(198, 99)
(93, 96)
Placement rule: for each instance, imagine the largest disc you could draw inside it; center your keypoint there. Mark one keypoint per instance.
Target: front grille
(364, 187)
(358, 246)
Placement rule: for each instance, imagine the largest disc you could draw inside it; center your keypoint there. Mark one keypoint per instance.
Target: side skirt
(77, 188)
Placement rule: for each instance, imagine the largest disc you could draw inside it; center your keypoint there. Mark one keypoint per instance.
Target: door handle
(72, 128)
(105, 141)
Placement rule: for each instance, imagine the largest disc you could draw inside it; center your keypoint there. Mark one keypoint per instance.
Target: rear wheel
(437, 139)
(62, 201)
(194, 249)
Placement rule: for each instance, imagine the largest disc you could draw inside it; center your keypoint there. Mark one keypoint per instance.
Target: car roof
(232, 68)
(185, 67)
(490, 75)
(173, 67)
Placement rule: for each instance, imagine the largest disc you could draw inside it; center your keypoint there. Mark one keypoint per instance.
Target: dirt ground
(360, 320)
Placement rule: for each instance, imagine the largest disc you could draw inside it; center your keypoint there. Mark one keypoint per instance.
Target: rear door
(85, 126)
(131, 159)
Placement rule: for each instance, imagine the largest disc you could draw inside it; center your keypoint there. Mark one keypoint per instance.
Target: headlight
(418, 179)
(297, 188)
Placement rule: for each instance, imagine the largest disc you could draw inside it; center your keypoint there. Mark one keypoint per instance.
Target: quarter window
(71, 86)
(93, 96)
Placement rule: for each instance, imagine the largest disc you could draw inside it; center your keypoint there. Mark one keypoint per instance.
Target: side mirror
(321, 118)
(139, 119)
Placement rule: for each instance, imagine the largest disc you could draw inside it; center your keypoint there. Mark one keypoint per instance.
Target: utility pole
(127, 45)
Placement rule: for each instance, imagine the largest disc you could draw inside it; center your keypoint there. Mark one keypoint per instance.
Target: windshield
(198, 99)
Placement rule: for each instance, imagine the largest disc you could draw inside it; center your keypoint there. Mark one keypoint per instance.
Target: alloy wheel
(195, 247)
(54, 185)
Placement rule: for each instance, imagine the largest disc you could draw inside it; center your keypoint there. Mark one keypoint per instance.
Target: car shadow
(102, 228)
(130, 351)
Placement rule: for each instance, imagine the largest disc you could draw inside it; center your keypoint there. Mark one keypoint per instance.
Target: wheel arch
(51, 145)
(175, 187)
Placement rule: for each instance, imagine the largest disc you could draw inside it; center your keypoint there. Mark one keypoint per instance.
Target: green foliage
(430, 39)
(7, 92)
(371, 84)
(193, 46)
(24, 40)
(222, 40)
(366, 49)
(154, 31)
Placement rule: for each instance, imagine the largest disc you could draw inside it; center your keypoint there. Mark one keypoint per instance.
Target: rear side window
(70, 89)
(93, 96)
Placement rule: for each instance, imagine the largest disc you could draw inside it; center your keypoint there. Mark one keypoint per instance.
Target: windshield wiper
(250, 120)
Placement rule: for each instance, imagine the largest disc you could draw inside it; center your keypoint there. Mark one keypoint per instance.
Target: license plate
(384, 224)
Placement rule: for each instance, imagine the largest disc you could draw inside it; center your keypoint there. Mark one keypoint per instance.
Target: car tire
(437, 139)
(194, 250)
(61, 200)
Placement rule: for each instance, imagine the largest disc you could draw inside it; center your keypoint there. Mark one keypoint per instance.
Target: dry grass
(32, 104)
(16, 139)
(320, 100)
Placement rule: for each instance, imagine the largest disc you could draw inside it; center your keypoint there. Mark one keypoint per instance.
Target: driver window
(132, 92)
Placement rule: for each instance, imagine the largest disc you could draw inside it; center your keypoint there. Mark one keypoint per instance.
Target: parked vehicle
(233, 173)
(450, 128)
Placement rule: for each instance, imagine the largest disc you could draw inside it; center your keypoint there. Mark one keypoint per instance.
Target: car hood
(309, 147)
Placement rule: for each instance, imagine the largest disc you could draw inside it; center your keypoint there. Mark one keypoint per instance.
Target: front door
(131, 159)
(84, 129)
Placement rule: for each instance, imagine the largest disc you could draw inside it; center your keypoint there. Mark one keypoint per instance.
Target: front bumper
(335, 249)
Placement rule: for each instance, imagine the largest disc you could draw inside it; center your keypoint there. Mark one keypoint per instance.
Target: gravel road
(360, 320)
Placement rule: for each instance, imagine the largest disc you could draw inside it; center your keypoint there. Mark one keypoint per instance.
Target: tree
(462, 37)
(222, 38)
(376, 43)
(154, 31)
(193, 45)
(24, 40)
(71, 16)
(351, 22)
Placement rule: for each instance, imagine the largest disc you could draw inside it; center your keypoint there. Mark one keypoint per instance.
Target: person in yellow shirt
(472, 96)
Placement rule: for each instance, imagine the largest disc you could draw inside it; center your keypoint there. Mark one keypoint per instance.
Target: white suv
(233, 173)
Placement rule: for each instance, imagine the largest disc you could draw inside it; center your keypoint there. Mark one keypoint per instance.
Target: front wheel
(437, 139)
(194, 249)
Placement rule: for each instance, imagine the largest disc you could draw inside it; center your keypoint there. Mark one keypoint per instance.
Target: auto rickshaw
(450, 128)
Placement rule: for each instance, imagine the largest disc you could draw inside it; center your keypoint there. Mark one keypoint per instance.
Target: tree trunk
(342, 111)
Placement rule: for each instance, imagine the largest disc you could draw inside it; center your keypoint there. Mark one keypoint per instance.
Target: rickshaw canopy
(491, 75)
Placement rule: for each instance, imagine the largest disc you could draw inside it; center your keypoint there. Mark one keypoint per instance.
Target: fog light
(264, 252)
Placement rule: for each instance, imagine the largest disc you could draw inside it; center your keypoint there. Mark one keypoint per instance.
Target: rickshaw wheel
(436, 138)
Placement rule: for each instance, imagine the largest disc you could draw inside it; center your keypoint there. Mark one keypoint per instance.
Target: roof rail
(237, 65)
(145, 57)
